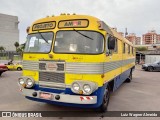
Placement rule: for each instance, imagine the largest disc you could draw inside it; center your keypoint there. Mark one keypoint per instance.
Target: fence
(8, 55)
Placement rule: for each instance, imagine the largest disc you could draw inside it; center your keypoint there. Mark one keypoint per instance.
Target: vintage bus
(75, 60)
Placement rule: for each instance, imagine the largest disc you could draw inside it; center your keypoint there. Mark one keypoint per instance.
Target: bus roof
(93, 24)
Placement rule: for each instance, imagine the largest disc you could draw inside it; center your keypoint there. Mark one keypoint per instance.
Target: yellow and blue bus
(75, 60)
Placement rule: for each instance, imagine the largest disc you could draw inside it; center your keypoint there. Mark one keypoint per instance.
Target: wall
(152, 58)
(9, 33)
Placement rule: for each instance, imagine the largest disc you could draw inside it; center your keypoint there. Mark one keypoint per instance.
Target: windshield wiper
(82, 34)
(43, 37)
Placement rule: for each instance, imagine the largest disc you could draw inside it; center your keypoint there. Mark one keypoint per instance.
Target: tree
(141, 48)
(2, 48)
(20, 49)
(16, 44)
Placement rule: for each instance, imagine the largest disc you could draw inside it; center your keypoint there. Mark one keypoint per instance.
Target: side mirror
(111, 43)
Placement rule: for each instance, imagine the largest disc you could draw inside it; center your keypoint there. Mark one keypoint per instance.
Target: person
(10, 62)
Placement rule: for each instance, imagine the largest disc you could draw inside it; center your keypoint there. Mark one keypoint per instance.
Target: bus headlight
(87, 89)
(83, 87)
(29, 83)
(75, 87)
(21, 81)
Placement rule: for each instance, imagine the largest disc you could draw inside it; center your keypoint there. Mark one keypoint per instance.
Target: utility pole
(126, 33)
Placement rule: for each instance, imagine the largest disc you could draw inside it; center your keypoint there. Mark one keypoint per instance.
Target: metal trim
(82, 68)
(65, 98)
(52, 85)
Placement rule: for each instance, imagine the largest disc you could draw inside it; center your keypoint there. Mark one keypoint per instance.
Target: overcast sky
(138, 16)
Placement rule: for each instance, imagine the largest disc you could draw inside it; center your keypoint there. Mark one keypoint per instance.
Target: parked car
(152, 66)
(3, 68)
(14, 66)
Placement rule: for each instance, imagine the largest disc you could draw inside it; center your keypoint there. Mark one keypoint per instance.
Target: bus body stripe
(84, 68)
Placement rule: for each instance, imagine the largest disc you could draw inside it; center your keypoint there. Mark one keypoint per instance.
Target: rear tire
(106, 97)
(150, 69)
(0, 73)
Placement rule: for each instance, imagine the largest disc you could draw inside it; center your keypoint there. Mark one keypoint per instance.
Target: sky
(138, 16)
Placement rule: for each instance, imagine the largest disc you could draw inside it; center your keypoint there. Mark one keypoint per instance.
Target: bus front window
(39, 42)
(79, 42)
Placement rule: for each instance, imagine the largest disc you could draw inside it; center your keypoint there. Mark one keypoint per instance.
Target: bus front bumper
(63, 98)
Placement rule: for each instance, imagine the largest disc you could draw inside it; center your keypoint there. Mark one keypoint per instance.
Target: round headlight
(87, 88)
(21, 81)
(75, 87)
(29, 83)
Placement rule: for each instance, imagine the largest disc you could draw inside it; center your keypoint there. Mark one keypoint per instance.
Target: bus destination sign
(73, 24)
(44, 26)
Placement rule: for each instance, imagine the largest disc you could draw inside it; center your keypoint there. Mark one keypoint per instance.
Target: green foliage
(20, 49)
(141, 48)
(2, 48)
(16, 44)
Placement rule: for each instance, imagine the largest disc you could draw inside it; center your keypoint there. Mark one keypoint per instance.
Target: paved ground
(142, 94)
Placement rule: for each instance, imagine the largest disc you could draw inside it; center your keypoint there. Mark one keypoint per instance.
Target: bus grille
(52, 77)
(49, 75)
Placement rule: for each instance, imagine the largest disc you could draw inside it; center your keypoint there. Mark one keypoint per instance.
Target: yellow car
(16, 66)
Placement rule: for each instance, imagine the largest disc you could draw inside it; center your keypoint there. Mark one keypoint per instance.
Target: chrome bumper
(64, 98)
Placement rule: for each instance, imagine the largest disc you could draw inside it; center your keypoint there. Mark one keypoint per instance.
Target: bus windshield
(79, 42)
(39, 42)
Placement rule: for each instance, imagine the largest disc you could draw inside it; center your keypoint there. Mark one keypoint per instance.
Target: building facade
(151, 38)
(134, 39)
(9, 32)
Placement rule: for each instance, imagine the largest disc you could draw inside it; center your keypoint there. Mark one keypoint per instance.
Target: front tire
(0, 73)
(106, 97)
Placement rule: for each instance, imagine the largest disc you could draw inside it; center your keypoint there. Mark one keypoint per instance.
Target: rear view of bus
(71, 60)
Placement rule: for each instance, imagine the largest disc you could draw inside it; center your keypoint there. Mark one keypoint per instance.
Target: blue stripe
(120, 79)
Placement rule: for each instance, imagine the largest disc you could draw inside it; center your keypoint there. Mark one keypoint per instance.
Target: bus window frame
(80, 53)
(42, 52)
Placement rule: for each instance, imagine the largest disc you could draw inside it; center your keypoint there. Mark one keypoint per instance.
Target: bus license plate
(47, 96)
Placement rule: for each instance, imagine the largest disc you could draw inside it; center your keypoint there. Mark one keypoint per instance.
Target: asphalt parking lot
(142, 94)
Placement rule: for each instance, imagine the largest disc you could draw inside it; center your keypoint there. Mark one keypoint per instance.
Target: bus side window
(106, 45)
(116, 46)
(128, 49)
(132, 50)
(124, 48)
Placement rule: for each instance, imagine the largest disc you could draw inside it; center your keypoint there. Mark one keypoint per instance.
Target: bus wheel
(105, 102)
(129, 79)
